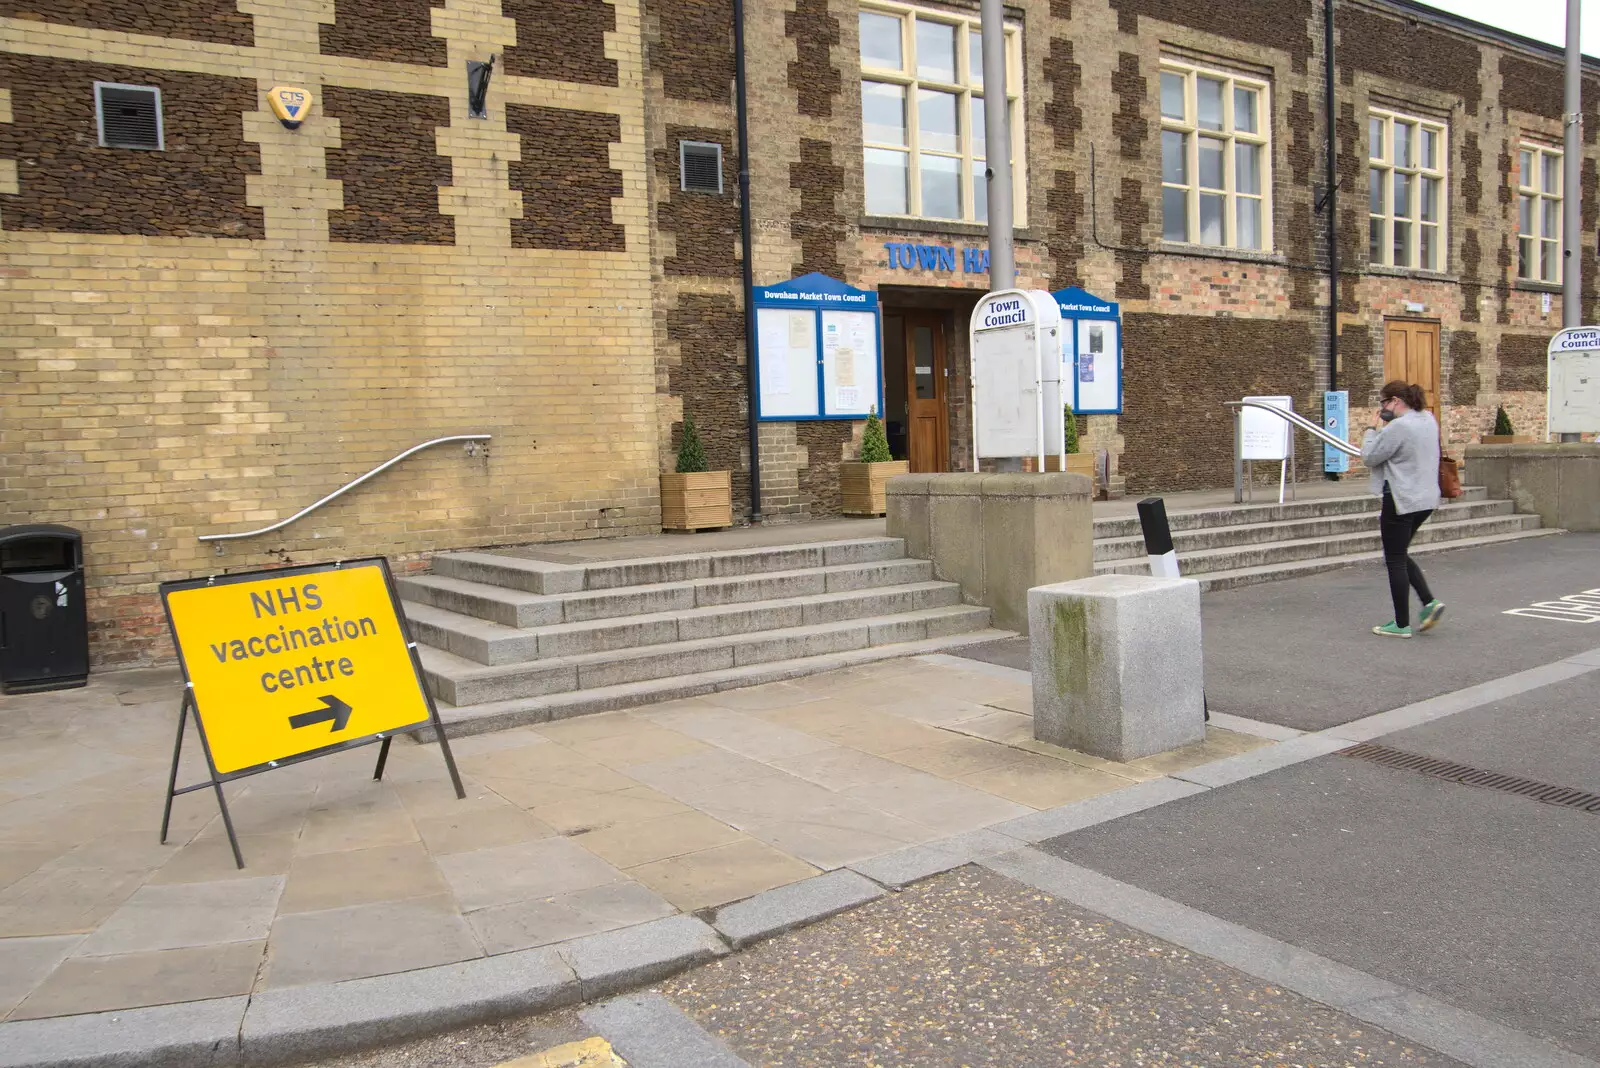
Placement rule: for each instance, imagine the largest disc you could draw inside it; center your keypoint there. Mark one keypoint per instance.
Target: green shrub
(1502, 422)
(1070, 422)
(874, 443)
(691, 454)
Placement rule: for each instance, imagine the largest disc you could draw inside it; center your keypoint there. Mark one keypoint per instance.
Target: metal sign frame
(191, 704)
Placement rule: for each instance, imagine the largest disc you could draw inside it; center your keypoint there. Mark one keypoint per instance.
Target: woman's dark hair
(1415, 399)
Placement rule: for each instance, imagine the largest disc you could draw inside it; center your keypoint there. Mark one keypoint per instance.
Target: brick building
(212, 320)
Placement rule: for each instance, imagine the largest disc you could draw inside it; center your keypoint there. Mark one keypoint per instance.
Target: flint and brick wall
(206, 339)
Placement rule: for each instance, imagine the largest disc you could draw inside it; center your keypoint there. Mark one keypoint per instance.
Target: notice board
(818, 350)
(1091, 351)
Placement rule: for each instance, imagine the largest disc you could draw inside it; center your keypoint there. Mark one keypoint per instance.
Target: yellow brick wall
(160, 389)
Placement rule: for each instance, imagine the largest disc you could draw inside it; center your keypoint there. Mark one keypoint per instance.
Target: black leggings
(1397, 531)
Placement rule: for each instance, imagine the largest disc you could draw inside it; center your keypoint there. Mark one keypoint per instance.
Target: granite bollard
(1117, 667)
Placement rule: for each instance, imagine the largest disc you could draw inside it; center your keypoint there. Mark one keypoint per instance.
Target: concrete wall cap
(1549, 448)
(1050, 484)
(1112, 586)
(912, 485)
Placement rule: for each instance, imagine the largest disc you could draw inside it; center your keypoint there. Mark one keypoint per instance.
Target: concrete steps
(1197, 541)
(505, 639)
(1236, 546)
(500, 715)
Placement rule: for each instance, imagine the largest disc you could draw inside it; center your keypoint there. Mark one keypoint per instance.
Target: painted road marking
(1573, 608)
(593, 1052)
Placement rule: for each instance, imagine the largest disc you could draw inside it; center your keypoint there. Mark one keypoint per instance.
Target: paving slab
(349, 943)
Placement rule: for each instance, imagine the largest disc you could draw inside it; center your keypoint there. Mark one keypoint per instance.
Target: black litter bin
(44, 627)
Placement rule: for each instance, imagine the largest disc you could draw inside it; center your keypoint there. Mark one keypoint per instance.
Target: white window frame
(1540, 197)
(964, 88)
(1189, 126)
(1386, 164)
(100, 118)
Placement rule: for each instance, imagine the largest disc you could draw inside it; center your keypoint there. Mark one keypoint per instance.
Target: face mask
(1386, 415)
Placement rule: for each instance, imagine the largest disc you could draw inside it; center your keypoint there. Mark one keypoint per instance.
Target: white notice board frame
(832, 369)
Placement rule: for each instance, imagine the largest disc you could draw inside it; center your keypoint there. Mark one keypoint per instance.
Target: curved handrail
(1295, 419)
(346, 488)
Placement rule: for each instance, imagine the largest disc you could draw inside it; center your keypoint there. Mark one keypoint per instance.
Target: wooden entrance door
(927, 407)
(1411, 353)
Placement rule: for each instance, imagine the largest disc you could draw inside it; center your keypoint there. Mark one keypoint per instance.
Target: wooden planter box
(1078, 463)
(862, 485)
(696, 501)
(1506, 439)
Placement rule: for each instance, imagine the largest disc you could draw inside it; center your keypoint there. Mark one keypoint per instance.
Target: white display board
(1574, 380)
(1262, 435)
(849, 363)
(1099, 372)
(786, 340)
(1016, 367)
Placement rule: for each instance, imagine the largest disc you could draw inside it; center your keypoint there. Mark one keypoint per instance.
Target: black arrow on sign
(332, 709)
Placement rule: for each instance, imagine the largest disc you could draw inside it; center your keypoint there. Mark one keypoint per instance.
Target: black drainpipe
(1333, 205)
(749, 277)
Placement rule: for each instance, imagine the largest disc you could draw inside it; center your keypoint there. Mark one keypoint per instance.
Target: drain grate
(1466, 775)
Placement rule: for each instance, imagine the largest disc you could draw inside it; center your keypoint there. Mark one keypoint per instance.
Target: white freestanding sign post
(1016, 376)
(1574, 379)
(1264, 436)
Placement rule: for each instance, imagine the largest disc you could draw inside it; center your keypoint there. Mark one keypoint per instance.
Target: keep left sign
(284, 663)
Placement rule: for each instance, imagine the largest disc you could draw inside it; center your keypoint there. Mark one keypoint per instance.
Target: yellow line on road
(593, 1052)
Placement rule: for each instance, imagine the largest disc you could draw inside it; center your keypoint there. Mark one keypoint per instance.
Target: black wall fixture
(478, 75)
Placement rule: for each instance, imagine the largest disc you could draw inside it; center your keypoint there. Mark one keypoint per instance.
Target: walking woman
(1402, 452)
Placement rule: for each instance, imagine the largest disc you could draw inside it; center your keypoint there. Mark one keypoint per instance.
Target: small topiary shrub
(1071, 423)
(874, 443)
(1502, 422)
(691, 454)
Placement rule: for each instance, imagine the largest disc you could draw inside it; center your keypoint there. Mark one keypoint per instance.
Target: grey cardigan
(1405, 454)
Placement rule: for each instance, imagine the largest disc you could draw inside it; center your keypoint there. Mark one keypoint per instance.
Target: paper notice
(772, 347)
(847, 398)
(799, 330)
(844, 366)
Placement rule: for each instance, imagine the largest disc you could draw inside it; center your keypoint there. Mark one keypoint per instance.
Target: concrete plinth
(1117, 667)
(1561, 483)
(997, 535)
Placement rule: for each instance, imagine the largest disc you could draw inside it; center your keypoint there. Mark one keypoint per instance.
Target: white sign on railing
(1262, 435)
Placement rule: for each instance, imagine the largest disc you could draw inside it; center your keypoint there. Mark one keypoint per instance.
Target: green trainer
(1430, 615)
(1389, 630)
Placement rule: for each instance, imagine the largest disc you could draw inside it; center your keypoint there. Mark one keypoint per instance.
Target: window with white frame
(1216, 163)
(1539, 213)
(922, 114)
(1406, 160)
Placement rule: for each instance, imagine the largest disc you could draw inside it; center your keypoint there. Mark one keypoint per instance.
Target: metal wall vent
(129, 116)
(700, 167)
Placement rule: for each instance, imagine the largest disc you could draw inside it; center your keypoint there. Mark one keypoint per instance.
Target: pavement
(602, 824)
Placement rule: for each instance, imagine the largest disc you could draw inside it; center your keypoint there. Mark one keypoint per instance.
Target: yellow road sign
(284, 663)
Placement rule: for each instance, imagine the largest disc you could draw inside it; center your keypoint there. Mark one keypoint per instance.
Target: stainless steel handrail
(1293, 419)
(1300, 421)
(346, 488)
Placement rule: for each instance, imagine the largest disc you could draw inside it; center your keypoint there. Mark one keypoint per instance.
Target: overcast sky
(1543, 20)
